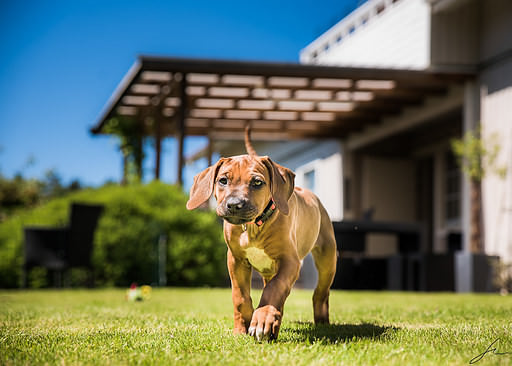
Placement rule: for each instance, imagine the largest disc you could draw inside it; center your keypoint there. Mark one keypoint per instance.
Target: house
(366, 121)
(403, 169)
(411, 151)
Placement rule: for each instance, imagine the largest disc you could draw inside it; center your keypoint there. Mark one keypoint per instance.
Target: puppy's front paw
(265, 323)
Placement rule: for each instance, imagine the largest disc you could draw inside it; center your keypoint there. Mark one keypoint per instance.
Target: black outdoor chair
(60, 249)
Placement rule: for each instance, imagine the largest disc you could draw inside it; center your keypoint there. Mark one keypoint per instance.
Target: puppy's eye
(223, 181)
(257, 183)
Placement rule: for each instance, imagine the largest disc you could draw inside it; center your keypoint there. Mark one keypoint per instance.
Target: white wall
(497, 191)
(496, 119)
(397, 37)
(328, 183)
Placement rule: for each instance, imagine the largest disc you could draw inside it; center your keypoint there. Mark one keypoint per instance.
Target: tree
(19, 192)
(128, 130)
(477, 159)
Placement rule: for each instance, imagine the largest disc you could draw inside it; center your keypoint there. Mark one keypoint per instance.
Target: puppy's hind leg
(324, 255)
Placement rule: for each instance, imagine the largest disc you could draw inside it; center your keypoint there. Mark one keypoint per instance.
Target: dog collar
(267, 212)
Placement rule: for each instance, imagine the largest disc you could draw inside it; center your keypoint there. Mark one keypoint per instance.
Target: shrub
(18, 192)
(125, 241)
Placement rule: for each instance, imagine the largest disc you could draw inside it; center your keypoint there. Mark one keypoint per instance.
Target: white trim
(358, 18)
(379, 33)
(301, 171)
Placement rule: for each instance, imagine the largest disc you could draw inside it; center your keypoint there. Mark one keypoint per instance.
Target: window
(309, 180)
(452, 188)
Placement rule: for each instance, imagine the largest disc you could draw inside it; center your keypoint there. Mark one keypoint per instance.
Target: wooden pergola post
(180, 133)
(158, 147)
(158, 124)
(138, 157)
(210, 150)
(124, 180)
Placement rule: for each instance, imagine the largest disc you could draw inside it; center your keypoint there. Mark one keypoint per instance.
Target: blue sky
(61, 60)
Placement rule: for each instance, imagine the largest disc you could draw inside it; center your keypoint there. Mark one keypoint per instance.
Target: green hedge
(126, 237)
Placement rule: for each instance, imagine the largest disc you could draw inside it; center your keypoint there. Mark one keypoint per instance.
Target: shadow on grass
(333, 333)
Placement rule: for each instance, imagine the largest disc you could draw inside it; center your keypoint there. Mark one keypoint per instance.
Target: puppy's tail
(248, 144)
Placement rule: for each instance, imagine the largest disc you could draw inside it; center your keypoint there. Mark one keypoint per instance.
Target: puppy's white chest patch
(259, 259)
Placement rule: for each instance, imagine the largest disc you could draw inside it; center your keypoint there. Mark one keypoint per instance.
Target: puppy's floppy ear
(282, 182)
(202, 188)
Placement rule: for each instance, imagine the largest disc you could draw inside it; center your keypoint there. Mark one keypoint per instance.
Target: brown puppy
(271, 226)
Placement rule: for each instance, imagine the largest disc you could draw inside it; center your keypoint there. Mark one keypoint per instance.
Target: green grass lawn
(193, 326)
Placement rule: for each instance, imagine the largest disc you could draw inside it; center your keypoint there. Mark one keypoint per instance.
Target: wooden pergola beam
(223, 67)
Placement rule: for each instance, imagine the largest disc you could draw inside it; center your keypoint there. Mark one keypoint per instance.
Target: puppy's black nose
(235, 204)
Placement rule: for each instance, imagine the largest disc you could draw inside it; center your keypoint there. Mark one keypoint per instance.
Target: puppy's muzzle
(237, 210)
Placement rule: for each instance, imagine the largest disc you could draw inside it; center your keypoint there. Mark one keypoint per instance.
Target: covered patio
(282, 101)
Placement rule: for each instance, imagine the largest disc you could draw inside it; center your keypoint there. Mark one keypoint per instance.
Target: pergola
(214, 98)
